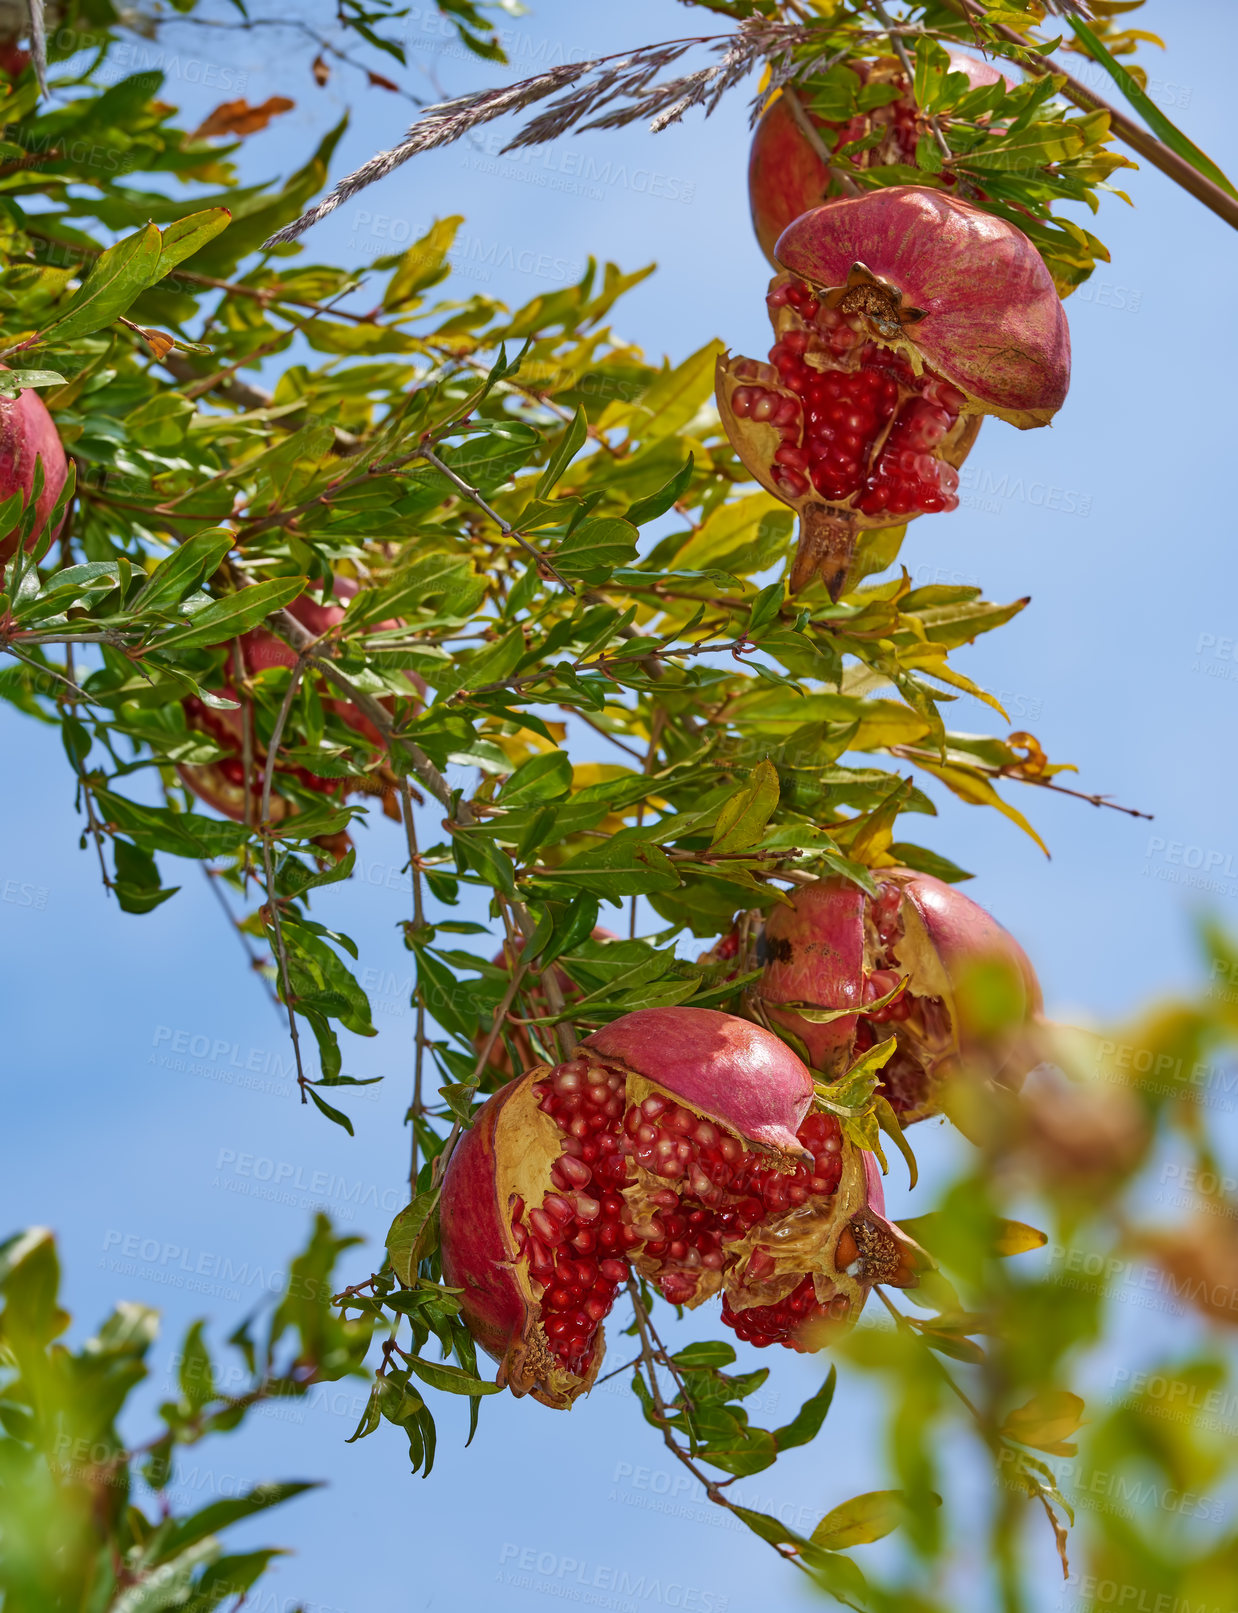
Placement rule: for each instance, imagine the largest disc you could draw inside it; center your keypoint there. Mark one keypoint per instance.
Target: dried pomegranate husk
(901, 317)
(787, 168)
(836, 948)
(221, 784)
(676, 1142)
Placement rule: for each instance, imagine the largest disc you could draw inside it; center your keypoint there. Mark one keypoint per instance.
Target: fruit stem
(826, 545)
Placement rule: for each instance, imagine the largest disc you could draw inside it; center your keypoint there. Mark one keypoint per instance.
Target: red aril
(969, 994)
(679, 1143)
(900, 319)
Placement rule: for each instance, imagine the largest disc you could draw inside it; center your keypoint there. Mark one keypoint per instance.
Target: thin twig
(414, 868)
(268, 869)
(544, 566)
(912, 753)
(255, 962)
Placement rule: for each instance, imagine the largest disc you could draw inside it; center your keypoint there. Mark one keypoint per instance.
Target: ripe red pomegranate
(901, 318)
(837, 947)
(221, 784)
(28, 433)
(678, 1143)
(787, 173)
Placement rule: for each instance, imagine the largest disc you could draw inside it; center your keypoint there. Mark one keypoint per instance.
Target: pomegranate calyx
(874, 299)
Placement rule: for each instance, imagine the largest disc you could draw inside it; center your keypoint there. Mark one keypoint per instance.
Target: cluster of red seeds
(578, 1241)
(763, 1325)
(856, 423)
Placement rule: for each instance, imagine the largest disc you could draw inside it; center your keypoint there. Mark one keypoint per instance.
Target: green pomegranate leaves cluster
(86, 1516)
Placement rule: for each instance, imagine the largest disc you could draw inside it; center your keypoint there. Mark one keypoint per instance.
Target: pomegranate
(900, 318)
(221, 784)
(677, 1143)
(28, 433)
(787, 172)
(838, 948)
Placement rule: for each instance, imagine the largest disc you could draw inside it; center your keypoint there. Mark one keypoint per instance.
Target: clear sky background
(148, 1100)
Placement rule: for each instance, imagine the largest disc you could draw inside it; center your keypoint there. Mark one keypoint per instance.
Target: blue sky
(148, 1100)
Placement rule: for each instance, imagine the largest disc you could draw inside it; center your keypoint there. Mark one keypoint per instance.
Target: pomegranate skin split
(677, 1143)
(837, 948)
(901, 318)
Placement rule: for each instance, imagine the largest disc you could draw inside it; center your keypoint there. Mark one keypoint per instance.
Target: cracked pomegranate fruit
(677, 1143)
(969, 989)
(900, 319)
(27, 434)
(221, 783)
(789, 168)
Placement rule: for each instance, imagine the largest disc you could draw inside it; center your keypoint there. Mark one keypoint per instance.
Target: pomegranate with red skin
(677, 1143)
(28, 434)
(788, 171)
(221, 784)
(837, 948)
(901, 318)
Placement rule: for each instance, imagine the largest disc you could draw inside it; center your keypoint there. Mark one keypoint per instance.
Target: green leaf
(340, 1118)
(233, 615)
(439, 1375)
(648, 509)
(1149, 111)
(117, 278)
(806, 1425)
(408, 1235)
(570, 444)
(180, 240)
(545, 777)
(742, 820)
(596, 548)
(181, 571)
(221, 1514)
(863, 1519)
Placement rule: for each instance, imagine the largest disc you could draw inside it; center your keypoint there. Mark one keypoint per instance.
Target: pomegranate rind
(786, 173)
(814, 953)
(725, 1068)
(993, 323)
(819, 950)
(28, 433)
(507, 1154)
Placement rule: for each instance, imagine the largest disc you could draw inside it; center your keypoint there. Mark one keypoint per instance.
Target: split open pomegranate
(676, 1143)
(789, 167)
(901, 318)
(838, 948)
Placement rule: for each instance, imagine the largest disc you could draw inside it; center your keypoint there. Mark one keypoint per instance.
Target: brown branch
(912, 753)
